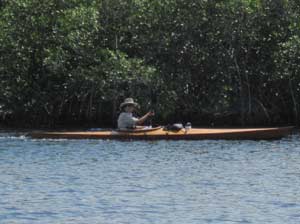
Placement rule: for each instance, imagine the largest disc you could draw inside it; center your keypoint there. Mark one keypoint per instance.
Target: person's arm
(144, 118)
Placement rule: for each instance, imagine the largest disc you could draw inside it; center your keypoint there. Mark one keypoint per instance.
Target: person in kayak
(126, 119)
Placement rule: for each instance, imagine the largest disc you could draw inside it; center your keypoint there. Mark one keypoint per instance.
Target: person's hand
(151, 113)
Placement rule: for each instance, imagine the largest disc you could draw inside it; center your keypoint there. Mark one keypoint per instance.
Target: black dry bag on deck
(173, 127)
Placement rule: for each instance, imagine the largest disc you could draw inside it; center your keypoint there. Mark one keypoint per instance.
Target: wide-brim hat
(128, 101)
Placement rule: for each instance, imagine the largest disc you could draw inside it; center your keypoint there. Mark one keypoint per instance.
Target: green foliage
(222, 62)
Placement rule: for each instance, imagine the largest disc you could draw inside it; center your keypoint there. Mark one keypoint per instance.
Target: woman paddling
(126, 120)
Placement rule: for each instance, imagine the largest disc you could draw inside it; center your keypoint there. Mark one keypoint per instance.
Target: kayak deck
(159, 133)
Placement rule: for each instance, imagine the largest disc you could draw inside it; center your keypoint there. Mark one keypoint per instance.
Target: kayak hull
(160, 134)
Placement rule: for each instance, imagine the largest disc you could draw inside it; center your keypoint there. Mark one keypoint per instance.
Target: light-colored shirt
(126, 120)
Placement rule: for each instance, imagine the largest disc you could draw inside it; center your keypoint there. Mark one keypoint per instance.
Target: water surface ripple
(94, 181)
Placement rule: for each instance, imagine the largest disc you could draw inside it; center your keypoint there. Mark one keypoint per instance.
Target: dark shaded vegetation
(209, 62)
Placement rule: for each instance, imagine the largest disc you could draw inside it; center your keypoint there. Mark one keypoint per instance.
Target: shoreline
(72, 128)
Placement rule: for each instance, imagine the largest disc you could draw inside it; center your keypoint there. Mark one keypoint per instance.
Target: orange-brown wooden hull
(159, 134)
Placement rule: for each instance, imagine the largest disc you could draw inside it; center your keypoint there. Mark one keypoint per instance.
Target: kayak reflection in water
(126, 120)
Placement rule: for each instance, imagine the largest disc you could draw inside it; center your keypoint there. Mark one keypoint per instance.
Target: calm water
(91, 181)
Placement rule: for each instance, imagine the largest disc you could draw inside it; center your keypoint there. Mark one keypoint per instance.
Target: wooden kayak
(159, 133)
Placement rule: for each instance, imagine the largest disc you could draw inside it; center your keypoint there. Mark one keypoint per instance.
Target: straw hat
(128, 101)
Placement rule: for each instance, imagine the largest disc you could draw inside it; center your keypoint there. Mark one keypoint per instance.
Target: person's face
(129, 108)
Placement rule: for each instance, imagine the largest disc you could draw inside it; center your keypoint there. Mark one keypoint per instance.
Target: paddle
(153, 103)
